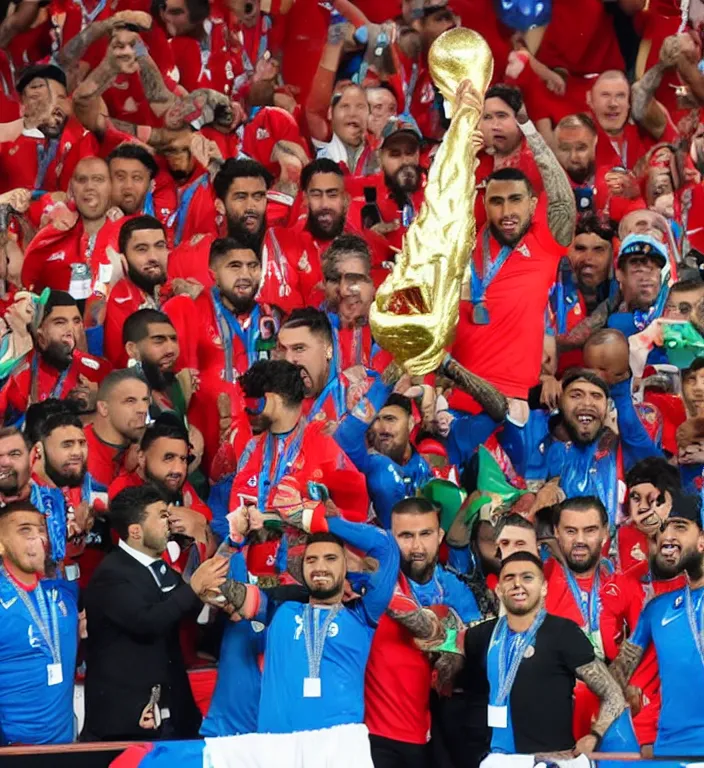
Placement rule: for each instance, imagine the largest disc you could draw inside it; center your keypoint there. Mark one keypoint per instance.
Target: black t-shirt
(541, 697)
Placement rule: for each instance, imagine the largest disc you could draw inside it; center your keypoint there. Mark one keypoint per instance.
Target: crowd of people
(225, 508)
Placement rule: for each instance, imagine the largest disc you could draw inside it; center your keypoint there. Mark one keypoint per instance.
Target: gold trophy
(416, 310)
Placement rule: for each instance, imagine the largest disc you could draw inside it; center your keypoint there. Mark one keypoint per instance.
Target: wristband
(597, 736)
(528, 129)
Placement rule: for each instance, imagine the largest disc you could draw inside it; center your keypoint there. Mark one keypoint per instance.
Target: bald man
(620, 142)
(71, 253)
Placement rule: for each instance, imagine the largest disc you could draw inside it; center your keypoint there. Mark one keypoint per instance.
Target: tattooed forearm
(129, 128)
(153, 83)
(624, 665)
(491, 400)
(599, 681)
(577, 337)
(74, 49)
(562, 213)
(97, 82)
(422, 624)
(644, 90)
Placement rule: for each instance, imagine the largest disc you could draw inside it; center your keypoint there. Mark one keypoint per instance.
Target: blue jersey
(31, 710)
(664, 623)
(235, 704)
(338, 698)
(444, 588)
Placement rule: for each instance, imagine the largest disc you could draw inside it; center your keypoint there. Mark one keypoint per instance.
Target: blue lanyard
(57, 389)
(510, 653)
(334, 384)
(185, 203)
(589, 607)
(479, 286)
(148, 207)
(694, 619)
(230, 327)
(286, 449)
(643, 318)
(45, 156)
(47, 622)
(410, 88)
(89, 18)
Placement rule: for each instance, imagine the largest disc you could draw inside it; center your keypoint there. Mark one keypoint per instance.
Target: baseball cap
(45, 71)
(398, 127)
(642, 245)
(686, 507)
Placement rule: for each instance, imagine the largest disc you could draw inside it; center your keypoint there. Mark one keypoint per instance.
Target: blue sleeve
(467, 433)
(379, 544)
(522, 444)
(350, 435)
(219, 502)
(460, 597)
(642, 636)
(634, 438)
(458, 558)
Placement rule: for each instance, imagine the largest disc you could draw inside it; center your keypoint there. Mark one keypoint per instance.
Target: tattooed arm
(24, 16)
(158, 95)
(577, 337)
(624, 665)
(597, 678)
(562, 212)
(645, 109)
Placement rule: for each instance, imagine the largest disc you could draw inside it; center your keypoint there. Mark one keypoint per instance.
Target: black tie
(166, 577)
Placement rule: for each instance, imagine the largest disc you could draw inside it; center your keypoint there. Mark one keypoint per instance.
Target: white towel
(528, 761)
(344, 746)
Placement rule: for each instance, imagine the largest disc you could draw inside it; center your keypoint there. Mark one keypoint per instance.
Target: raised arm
(24, 16)
(635, 439)
(379, 545)
(562, 212)
(625, 664)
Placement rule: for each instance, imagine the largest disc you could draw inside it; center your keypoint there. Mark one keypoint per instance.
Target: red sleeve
(346, 484)
(183, 313)
(194, 502)
(115, 315)
(190, 260)
(612, 618)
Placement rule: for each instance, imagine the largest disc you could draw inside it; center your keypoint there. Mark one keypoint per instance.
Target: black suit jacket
(133, 644)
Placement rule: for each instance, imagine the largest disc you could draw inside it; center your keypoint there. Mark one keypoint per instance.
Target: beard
(520, 610)
(502, 240)
(179, 175)
(690, 561)
(582, 566)
(580, 175)
(63, 479)
(393, 451)
(253, 240)
(574, 435)
(142, 281)
(324, 594)
(240, 304)
(172, 496)
(417, 571)
(156, 378)
(405, 181)
(58, 355)
(320, 232)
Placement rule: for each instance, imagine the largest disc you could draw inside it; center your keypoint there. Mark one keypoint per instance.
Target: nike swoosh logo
(168, 589)
(122, 301)
(9, 603)
(665, 622)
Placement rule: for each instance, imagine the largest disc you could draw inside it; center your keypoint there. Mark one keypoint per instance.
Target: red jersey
(105, 460)
(584, 43)
(191, 500)
(70, 260)
(125, 298)
(398, 712)
(515, 300)
(212, 62)
(20, 159)
(50, 382)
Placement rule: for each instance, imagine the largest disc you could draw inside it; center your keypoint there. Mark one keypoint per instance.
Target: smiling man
(580, 453)
(671, 624)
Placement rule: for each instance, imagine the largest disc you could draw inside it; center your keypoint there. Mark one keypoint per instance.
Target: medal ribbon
(89, 18)
(45, 156)
(316, 636)
(230, 327)
(334, 384)
(479, 286)
(274, 470)
(57, 389)
(511, 653)
(185, 203)
(589, 608)
(46, 621)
